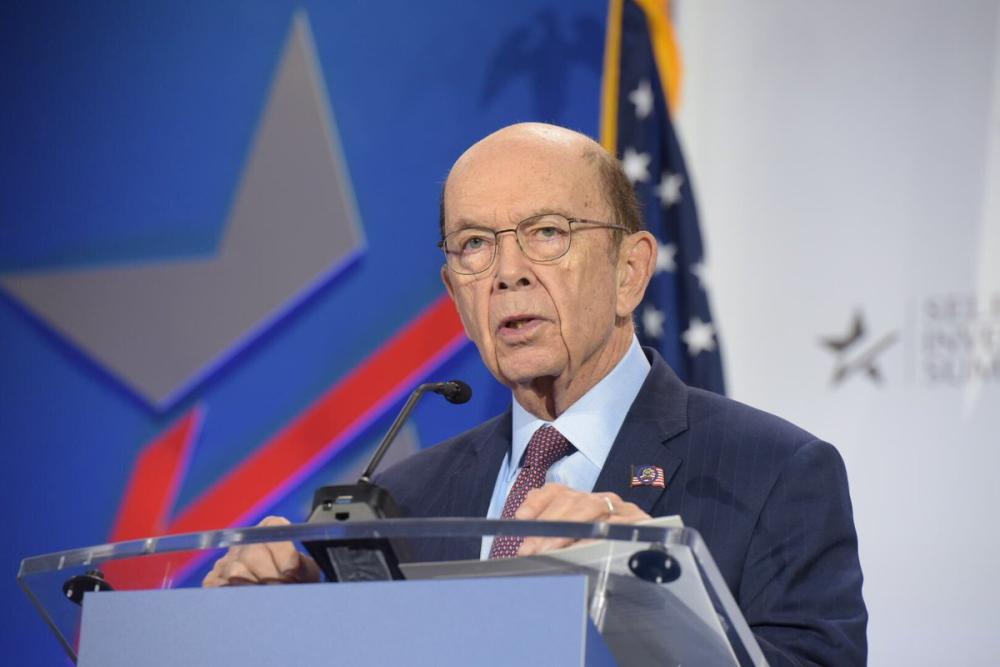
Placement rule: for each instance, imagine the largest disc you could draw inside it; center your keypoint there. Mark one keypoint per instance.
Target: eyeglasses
(542, 238)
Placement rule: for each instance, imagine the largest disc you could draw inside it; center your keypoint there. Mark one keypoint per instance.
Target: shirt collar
(593, 421)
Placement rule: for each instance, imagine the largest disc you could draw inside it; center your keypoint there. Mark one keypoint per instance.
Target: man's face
(532, 320)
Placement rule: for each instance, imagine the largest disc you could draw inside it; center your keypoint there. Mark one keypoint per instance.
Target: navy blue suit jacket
(770, 500)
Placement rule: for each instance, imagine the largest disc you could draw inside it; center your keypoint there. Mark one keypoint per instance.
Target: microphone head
(455, 391)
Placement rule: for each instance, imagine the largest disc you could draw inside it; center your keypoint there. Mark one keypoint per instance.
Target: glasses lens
(544, 237)
(470, 250)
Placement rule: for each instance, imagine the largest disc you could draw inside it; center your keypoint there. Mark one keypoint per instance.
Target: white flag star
(665, 257)
(642, 98)
(700, 337)
(669, 189)
(635, 165)
(652, 321)
(700, 271)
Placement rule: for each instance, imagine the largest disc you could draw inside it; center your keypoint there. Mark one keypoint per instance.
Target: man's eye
(545, 233)
(474, 243)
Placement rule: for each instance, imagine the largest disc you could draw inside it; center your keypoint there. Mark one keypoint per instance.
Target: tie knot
(546, 446)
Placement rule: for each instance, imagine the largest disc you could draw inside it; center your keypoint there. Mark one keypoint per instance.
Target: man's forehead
(520, 178)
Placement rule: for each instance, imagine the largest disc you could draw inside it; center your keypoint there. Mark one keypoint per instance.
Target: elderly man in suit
(546, 260)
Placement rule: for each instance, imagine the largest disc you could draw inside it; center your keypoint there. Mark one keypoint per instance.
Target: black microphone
(369, 559)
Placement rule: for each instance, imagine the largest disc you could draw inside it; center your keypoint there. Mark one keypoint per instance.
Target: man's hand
(270, 563)
(555, 502)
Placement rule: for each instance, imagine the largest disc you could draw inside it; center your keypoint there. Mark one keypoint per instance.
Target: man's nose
(513, 268)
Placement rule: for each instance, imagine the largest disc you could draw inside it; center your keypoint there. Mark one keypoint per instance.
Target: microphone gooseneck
(455, 391)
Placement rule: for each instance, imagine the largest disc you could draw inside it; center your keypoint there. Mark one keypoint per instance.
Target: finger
(217, 576)
(251, 563)
(286, 558)
(213, 578)
(274, 521)
(628, 513)
(237, 572)
(570, 505)
(304, 571)
(308, 571)
(559, 503)
(537, 500)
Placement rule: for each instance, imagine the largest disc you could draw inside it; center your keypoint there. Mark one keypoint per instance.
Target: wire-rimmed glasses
(542, 238)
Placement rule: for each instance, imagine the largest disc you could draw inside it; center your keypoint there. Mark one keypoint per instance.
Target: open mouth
(518, 323)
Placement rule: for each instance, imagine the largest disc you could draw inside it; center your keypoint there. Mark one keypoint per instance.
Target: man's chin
(525, 367)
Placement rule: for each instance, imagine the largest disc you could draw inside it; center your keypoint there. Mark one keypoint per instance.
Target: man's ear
(636, 262)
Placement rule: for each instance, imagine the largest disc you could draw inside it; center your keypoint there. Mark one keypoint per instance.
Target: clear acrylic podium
(653, 595)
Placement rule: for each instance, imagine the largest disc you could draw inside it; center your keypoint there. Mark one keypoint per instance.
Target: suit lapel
(483, 468)
(658, 414)
(470, 482)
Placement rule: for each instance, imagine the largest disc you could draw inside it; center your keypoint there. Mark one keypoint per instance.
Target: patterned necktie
(546, 446)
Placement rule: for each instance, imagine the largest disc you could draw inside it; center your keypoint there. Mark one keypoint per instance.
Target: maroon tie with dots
(546, 446)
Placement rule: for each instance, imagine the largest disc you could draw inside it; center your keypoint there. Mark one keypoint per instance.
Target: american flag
(641, 62)
(648, 476)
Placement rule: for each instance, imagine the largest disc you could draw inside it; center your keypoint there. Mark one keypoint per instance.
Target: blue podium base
(502, 621)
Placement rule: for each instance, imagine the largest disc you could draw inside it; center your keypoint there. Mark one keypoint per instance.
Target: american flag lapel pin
(647, 475)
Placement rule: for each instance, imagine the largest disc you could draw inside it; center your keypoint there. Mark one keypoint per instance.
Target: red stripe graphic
(149, 498)
(150, 494)
(270, 471)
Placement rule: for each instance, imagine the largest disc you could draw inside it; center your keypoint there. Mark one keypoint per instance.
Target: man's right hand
(269, 563)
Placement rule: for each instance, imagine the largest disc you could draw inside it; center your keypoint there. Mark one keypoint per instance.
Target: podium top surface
(444, 528)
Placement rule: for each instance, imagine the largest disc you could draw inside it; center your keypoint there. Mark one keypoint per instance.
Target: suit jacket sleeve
(801, 585)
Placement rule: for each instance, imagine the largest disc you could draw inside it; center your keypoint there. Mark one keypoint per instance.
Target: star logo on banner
(665, 253)
(636, 166)
(669, 189)
(652, 321)
(699, 337)
(854, 357)
(642, 98)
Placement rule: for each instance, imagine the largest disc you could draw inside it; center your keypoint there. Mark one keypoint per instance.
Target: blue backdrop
(126, 128)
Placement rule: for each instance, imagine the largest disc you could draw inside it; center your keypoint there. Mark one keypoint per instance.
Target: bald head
(557, 145)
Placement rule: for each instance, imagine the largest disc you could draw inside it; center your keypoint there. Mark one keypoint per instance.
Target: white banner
(846, 160)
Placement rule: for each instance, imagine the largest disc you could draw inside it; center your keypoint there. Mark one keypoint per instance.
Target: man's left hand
(556, 502)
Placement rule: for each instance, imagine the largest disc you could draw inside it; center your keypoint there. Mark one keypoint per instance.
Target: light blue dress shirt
(591, 424)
